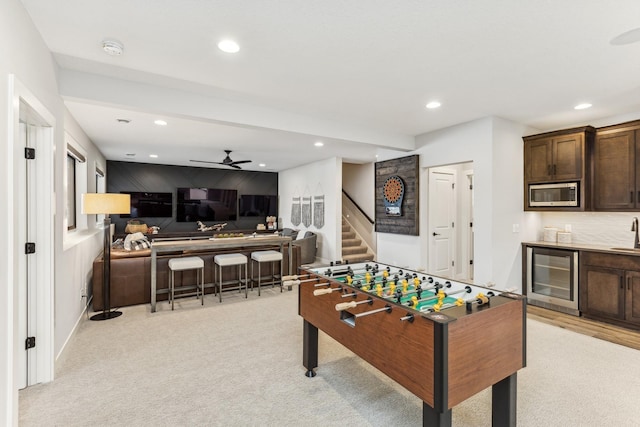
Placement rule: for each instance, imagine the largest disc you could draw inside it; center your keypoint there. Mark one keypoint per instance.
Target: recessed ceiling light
(160, 122)
(228, 46)
(627, 37)
(262, 165)
(433, 104)
(153, 156)
(123, 121)
(582, 106)
(319, 144)
(113, 47)
(130, 154)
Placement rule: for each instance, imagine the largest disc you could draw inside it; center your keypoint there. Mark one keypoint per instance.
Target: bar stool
(266, 256)
(226, 260)
(182, 264)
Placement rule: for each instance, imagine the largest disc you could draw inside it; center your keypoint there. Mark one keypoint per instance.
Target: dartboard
(393, 189)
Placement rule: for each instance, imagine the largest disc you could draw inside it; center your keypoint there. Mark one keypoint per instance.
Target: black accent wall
(129, 177)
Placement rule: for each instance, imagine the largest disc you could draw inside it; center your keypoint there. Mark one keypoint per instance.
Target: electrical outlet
(516, 228)
(567, 228)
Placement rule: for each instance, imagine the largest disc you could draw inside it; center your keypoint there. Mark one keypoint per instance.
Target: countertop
(620, 250)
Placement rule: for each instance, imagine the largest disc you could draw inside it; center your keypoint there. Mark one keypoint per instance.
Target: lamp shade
(106, 203)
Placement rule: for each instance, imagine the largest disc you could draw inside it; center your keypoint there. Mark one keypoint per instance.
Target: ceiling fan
(226, 162)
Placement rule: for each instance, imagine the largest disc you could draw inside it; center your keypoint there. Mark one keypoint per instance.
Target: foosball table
(463, 337)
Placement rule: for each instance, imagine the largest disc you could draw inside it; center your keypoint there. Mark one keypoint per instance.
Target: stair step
(348, 235)
(350, 250)
(346, 227)
(351, 242)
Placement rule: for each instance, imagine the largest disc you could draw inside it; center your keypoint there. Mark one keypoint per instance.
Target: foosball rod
(357, 271)
(386, 308)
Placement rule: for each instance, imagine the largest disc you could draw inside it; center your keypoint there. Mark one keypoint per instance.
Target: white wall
(359, 183)
(322, 177)
(494, 146)
(25, 55)
(74, 257)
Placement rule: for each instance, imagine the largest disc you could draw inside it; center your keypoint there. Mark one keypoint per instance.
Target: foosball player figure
(405, 286)
(392, 288)
(379, 289)
(419, 292)
(398, 295)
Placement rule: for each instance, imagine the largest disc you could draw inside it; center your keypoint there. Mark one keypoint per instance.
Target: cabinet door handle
(554, 169)
(628, 283)
(630, 196)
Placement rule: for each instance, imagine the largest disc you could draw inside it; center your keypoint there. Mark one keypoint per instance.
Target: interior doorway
(31, 130)
(449, 238)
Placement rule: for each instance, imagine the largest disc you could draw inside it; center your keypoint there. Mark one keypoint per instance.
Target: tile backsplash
(596, 228)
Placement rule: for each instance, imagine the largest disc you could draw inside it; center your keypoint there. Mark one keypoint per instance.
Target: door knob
(436, 234)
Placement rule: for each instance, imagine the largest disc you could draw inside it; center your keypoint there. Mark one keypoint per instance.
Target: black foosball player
(419, 292)
(398, 295)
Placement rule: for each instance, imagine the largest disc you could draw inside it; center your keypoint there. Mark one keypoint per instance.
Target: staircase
(353, 250)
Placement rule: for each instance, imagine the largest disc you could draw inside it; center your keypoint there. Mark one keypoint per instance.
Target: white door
(442, 214)
(27, 278)
(470, 227)
(33, 281)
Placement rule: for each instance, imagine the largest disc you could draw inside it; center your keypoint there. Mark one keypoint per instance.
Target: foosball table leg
(310, 348)
(431, 417)
(504, 402)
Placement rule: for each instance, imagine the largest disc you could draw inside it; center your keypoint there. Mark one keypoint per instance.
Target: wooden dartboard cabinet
(406, 169)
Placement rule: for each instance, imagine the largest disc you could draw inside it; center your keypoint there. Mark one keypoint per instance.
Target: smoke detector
(112, 47)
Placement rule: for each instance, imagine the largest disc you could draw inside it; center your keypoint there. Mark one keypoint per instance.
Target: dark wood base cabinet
(610, 288)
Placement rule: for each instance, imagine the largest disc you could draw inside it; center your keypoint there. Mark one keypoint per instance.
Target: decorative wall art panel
(397, 196)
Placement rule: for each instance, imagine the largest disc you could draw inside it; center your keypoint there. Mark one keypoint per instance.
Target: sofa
(308, 244)
(131, 273)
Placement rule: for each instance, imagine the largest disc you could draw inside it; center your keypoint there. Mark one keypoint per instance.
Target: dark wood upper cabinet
(616, 167)
(559, 156)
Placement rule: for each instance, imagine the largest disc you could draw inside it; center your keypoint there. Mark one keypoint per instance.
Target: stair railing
(361, 223)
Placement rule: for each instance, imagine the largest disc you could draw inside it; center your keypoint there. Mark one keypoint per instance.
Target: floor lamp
(106, 204)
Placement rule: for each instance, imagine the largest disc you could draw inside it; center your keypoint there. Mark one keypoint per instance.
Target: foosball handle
(323, 291)
(345, 305)
(290, 282)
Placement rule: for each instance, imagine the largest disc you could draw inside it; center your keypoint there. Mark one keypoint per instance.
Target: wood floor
(593, 328)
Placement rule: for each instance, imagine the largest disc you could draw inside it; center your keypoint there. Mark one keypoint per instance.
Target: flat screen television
(258, 206)
(149, 205)
(206, 204)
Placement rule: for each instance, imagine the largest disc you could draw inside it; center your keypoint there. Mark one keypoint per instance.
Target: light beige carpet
(239, 363)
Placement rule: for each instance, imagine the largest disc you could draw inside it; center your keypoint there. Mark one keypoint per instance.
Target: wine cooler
(552, 279)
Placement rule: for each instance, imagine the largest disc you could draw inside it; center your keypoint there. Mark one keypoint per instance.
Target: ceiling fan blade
(204, 161)
(233, 166)
(239, 162)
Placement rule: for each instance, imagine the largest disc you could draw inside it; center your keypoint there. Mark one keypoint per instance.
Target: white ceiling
(354, 74)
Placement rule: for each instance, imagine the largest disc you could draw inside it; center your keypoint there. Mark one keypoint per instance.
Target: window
(76, 184)
(71, 192)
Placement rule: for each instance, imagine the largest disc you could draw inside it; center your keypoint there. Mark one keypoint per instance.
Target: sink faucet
(634, 227)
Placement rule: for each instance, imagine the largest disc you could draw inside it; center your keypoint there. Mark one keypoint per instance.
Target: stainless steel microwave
(558, 194)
